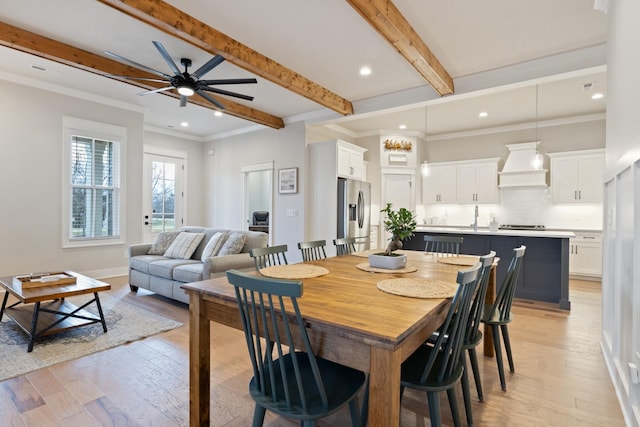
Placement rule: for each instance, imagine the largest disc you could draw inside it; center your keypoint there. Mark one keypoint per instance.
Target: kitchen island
(544, 275)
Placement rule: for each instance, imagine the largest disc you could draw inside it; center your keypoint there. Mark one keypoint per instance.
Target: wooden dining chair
(313, 250)
(271, 255)
(439, 367)
(447, 245)
(287, 378)
(345, 245)
(498, 314)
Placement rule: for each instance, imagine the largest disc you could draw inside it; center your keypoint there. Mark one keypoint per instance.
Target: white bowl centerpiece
(401, 224)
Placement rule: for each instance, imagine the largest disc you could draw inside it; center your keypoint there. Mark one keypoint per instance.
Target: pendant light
(424, 167)
(537, 160)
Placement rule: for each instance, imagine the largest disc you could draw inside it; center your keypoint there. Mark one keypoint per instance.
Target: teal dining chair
(313, 250)
(288, 378)
(473, 335)
(271, 255)
(345, 245)
(439, 367)
(498, 314)
(448, 245)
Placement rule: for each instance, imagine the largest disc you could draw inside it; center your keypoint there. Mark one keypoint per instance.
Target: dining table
(348, 318)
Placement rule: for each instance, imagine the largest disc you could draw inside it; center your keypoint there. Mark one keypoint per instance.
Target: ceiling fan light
(185, 90)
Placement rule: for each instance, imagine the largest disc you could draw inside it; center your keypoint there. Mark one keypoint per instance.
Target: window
(92, 167)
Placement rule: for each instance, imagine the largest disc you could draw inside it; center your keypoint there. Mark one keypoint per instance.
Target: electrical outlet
(126, 253)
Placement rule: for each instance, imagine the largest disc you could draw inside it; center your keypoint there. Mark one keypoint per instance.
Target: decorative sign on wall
(398, 150)
(398, 145)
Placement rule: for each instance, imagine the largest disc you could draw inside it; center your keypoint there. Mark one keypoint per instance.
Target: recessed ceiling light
(597, 95)
(218, 114)
(483, 114)
(184, 124)
(365, 71)
(402, 127)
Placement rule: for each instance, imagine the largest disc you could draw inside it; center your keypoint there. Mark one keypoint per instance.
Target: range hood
(518, 171)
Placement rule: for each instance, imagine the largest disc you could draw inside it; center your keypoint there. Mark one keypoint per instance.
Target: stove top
(520, 227)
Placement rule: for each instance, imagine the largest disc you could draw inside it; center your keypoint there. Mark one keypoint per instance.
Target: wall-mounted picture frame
(288, 181)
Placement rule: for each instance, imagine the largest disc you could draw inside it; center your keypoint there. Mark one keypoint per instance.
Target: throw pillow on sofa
(233, 245)
(184, 245)
(213, 245)
(162, 242)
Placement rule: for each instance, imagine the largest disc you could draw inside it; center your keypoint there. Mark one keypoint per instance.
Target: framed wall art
(288, 181)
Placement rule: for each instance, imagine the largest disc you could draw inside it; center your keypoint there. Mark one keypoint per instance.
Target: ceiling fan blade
(167, 58)
(183, 101)
(208, 66)
(226, 92)
(135, 64)
(210, 99)
(228, 81)
(136, 78)
(162, 89)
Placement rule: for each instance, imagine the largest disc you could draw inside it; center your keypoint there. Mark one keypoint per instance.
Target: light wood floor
(560, 377)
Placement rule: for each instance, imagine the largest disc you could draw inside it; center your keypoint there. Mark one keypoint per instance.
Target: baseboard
(108, 272)
(585, 277)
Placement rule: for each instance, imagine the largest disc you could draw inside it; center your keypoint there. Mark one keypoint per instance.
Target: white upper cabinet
(351, 161)
(576, 176)
(478, 183)
(462, 182)
(439, 186)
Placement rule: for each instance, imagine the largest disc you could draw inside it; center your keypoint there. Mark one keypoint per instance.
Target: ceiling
(326, 42)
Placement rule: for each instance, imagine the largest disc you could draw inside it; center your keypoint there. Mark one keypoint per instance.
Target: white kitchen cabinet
(439, 186)
(351, 161)
(477, 182)
(576, 176)
(585, 254)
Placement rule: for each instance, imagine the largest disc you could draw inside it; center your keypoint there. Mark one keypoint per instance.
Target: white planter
(392, 262)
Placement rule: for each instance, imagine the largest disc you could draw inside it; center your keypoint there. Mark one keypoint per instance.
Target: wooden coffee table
(43, 310)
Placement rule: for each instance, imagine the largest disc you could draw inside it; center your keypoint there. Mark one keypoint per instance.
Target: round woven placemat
(366, 267)
(294, 271)
(459, 260)
(418, 288)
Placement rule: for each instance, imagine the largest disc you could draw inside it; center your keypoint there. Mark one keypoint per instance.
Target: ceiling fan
(184, 82)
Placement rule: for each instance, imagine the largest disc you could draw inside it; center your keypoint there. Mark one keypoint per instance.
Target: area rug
(125, 323)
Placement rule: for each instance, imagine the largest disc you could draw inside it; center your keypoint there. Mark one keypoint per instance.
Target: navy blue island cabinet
(545, 269)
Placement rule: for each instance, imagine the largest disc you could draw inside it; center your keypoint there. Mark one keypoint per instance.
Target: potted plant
(401, 224)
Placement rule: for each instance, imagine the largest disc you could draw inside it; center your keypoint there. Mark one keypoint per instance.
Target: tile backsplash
(519, 205)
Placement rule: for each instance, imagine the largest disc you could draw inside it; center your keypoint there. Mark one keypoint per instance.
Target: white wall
(30, 181)
(621, 247)
(286, 147)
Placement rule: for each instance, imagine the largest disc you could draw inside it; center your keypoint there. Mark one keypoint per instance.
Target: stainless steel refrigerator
(354, 211)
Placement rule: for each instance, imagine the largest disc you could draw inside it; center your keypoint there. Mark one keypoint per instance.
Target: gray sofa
(164, 275)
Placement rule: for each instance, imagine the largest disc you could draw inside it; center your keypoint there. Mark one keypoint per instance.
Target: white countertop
(486, 231)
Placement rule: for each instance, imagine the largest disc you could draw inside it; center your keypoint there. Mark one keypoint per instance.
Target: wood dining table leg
(199, 363)
(489, 298)
(384, 388)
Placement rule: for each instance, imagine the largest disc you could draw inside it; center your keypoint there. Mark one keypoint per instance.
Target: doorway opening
(258, 197)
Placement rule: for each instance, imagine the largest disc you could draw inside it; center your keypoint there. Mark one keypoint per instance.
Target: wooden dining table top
(348, 298)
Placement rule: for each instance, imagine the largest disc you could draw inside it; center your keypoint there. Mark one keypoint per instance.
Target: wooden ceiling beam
(35, 44)
(176, 23)
(392, 25)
